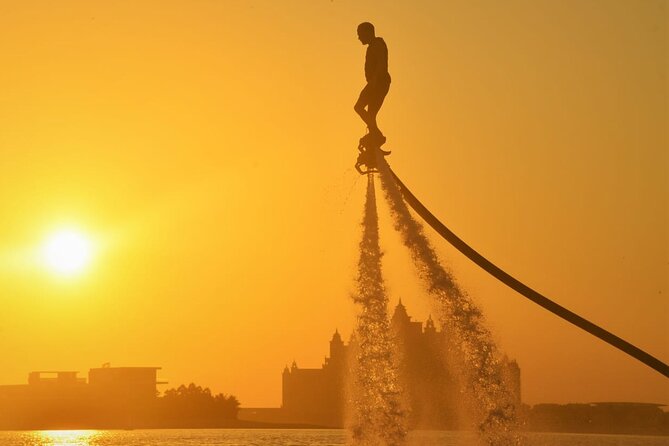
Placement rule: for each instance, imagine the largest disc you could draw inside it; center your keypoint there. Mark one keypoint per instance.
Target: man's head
(366, 32)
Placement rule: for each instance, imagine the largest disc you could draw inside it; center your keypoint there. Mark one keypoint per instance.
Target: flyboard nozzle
(370, 148)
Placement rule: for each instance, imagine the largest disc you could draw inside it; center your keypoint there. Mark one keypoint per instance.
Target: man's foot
(372, 140)
(377, 137)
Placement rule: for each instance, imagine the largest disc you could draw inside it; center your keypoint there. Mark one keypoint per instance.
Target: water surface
(289, 437)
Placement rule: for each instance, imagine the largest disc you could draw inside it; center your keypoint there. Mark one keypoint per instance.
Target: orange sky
(207, 148)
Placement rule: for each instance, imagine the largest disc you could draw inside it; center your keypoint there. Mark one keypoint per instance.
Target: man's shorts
(373, 96)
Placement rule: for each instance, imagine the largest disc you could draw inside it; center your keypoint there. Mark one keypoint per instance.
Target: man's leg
(372, 110)
(363, 101)
(376, 98)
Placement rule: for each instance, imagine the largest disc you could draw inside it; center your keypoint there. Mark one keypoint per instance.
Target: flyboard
(368, 148)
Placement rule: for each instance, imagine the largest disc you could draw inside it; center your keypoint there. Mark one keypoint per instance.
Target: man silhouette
(378, 83)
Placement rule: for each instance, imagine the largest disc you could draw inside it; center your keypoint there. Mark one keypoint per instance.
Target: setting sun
(66, 252)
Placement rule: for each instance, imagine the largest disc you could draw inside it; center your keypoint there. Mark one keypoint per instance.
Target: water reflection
(66, 438)
(290, 437)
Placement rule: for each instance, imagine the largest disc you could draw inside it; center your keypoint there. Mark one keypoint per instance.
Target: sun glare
(66, 252)
(66, 437)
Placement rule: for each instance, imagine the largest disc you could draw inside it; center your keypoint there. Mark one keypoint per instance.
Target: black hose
(526, 291)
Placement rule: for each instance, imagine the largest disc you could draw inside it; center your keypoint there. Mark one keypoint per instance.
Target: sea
(291, 437)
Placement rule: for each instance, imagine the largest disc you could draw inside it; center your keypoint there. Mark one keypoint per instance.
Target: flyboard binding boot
(369, 148)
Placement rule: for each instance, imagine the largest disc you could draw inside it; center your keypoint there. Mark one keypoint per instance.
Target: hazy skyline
(207, 150)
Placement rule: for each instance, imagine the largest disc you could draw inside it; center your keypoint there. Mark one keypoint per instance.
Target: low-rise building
(113, 396)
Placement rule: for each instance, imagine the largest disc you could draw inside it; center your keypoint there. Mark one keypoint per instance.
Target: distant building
(318, 396)
(607, 417)
(54, 379)
(113, 396)
(136, 383)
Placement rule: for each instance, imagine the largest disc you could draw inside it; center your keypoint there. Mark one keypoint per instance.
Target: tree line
(192, 404)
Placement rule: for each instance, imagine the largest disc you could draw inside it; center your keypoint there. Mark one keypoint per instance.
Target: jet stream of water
(487, 391)
(378, 417)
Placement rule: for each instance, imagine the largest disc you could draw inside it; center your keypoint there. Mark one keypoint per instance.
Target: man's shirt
(376, 61)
